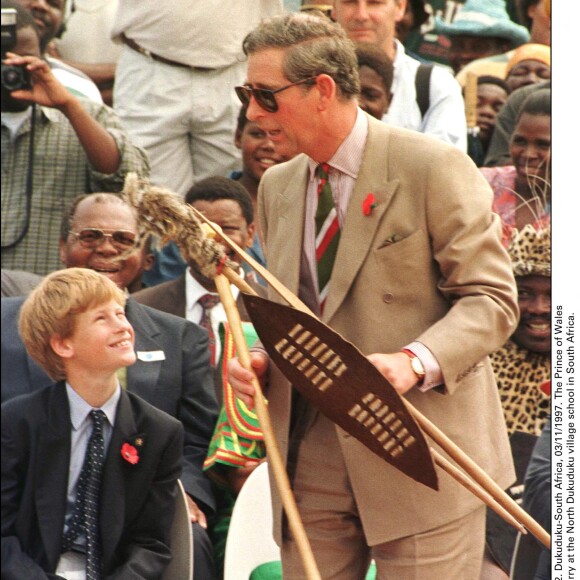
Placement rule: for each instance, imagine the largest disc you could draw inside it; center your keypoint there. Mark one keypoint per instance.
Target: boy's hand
(46, 88)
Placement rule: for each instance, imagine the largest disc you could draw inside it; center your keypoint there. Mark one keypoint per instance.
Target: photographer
(55, 146)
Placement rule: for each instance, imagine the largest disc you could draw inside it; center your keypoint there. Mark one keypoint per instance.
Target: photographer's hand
(47, 90)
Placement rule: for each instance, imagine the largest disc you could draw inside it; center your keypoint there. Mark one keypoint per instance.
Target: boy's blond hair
(51, 308)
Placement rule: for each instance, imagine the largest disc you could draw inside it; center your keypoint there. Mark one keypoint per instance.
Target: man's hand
(237, 476)
(46, 88)
(396, 368)
(195, 514)
(241, 379)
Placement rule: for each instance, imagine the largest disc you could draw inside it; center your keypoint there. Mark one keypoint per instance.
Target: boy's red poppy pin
(129, 453)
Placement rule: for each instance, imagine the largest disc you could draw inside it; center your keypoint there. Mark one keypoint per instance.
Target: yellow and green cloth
(237, 438)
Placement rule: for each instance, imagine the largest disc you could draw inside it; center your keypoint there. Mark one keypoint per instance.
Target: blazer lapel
(290, 226)
(113, 495)
(142, 376)
(52, 473)
(359, 230)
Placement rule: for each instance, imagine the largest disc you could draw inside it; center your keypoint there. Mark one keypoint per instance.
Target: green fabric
(267, 571)
(237, 437)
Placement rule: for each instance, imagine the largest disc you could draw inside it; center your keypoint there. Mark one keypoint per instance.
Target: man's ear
(238, 139)
(148, 262)
(401, 9)
(61, 346)
(62, 252)
(326, 89)
(251, 234)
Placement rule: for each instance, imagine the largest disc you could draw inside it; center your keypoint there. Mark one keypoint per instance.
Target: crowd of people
(335, 143)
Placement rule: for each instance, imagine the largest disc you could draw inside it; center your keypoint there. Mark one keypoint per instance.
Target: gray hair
(315, 44)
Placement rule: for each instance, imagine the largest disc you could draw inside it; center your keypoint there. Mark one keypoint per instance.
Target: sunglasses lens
(244, 95)
(266, 99)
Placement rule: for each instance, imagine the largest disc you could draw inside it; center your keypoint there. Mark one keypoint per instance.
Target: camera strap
(28, 190)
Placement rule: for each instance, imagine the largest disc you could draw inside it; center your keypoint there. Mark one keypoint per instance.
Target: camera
(13, 77)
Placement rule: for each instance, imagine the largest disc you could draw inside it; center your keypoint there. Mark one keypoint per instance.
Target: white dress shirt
(194, 310)
(445, 118)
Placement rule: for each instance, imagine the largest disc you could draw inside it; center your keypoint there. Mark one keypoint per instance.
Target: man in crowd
(428, 99)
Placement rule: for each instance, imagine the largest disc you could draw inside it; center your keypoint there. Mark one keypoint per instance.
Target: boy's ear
(61, 346)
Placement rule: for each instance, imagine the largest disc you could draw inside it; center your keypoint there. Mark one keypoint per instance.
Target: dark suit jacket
(181, 384)
(137, 502)
(170, 297)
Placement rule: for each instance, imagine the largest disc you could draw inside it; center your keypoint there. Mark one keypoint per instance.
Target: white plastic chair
(181, 541)
(250, 541)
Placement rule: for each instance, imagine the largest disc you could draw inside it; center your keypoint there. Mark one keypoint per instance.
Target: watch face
(417, 367)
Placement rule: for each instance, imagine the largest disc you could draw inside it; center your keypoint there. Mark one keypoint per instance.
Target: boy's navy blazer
(172, 372)
(137, 501)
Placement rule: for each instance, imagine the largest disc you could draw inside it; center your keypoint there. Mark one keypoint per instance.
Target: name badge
(150, 355)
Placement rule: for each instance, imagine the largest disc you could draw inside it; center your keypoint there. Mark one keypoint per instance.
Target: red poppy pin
(129, 453)
(369, 204)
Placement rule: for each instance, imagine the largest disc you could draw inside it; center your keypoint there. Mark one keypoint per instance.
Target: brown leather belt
(135, 46)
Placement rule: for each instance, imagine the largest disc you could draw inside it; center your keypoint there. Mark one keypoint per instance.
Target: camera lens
(14, 78)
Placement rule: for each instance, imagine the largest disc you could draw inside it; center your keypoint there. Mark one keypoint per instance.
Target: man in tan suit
(419, 267)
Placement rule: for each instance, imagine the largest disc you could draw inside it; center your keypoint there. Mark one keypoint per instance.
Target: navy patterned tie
(208, 301)
(86, 509)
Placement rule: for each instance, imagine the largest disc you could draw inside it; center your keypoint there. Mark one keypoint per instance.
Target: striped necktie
(327, 232)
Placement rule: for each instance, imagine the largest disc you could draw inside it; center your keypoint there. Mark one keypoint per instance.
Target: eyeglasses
(265, 97)
(93, 238)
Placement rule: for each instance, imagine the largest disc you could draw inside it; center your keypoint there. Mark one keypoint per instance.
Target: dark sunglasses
(93, 238)
(265, 97)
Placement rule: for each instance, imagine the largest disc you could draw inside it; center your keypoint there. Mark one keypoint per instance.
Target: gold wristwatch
(416, 365)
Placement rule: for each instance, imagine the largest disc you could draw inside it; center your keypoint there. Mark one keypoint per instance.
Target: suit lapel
(52, 471)
(359, 230)
(142, 376)
(113, 485)
(172, 297)
(290, 226)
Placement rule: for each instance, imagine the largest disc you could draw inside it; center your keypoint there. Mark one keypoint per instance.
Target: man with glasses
(420, 283)
(172, 371)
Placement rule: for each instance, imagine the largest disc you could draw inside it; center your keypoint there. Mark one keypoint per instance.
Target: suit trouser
(328, 510)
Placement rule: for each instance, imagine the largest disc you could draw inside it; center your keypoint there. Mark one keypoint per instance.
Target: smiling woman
(522, 190)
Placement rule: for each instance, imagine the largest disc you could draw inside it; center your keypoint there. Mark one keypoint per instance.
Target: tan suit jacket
(426, 265)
